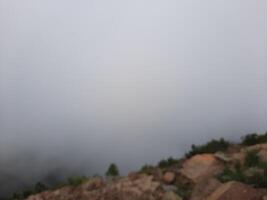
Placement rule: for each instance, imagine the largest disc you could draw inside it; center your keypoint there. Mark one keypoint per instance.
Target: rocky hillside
(239, 172)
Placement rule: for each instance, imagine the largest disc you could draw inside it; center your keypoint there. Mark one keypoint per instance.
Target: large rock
(169, 177)
(236, 191)
(204, 188)
(171, 196)
(260, 148)
(223, 157)
(201, 166)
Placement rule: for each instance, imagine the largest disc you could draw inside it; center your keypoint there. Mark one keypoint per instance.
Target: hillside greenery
(254, 138)
(210, 147)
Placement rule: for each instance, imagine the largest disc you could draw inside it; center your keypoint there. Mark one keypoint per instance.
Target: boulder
(169, 188)
(236, 191)
(263, 154)
(204, 188)
(253, 170)
(171, 196)
(169, 177)
(201, 166)
(240, 156)
(222, 157)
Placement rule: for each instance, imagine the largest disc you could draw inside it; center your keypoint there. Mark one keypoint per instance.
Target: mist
(87, 83)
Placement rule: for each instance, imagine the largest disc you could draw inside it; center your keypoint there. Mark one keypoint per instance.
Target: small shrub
(211, 147)
(112, 170)
(168, 162)
(183, 190)
(77, 180)
(254, 138)
(257, 180)
(146, 169)
(236, 174)
(252, 159)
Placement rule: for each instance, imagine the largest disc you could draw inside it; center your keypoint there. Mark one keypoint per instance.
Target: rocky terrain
(238, 173)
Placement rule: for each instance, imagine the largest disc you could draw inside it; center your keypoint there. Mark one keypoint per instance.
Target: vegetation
(258, 178)
(210, 147)
(112, 170)
(40, 187)
(77, 180)
(22, 195)
(252, 159)
(168, 162)
(254, 138)
(253, 171)
(236, 174)
(147, 169)
(183, 190)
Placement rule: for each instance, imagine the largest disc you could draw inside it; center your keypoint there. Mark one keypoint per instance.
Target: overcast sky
(92, 82)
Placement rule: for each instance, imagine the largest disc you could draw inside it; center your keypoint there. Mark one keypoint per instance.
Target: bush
(146, 169)
(167, 163)
(211, 147)
(257, 180)
(254, 138)
(236, 174)
(77, 180)
(183, 190)
(112, 170)
(252, 159)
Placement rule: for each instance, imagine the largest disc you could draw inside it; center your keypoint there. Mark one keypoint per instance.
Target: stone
(169, 188)
(253, 170)
(222, 157)
(204, 188)
(142, 187)
(201, 166)
(171, 196)
(169, 177)
(235, 191)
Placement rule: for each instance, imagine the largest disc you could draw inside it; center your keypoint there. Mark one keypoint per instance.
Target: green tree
(210, 147)
(254, 138)
(112, 170)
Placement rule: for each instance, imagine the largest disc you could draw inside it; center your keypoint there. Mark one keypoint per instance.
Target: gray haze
(84, 83)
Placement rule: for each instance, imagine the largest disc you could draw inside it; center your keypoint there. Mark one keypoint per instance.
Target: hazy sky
(92, 82)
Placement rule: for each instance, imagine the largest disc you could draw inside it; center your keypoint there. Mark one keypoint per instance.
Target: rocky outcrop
(169, 177)
(204, 188)
(171, 196)
(194, 179)
(201, 166)
(260, 148)
(236, 191)
(142, 187)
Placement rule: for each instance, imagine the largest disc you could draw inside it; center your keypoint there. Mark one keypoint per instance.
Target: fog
(87, 83)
